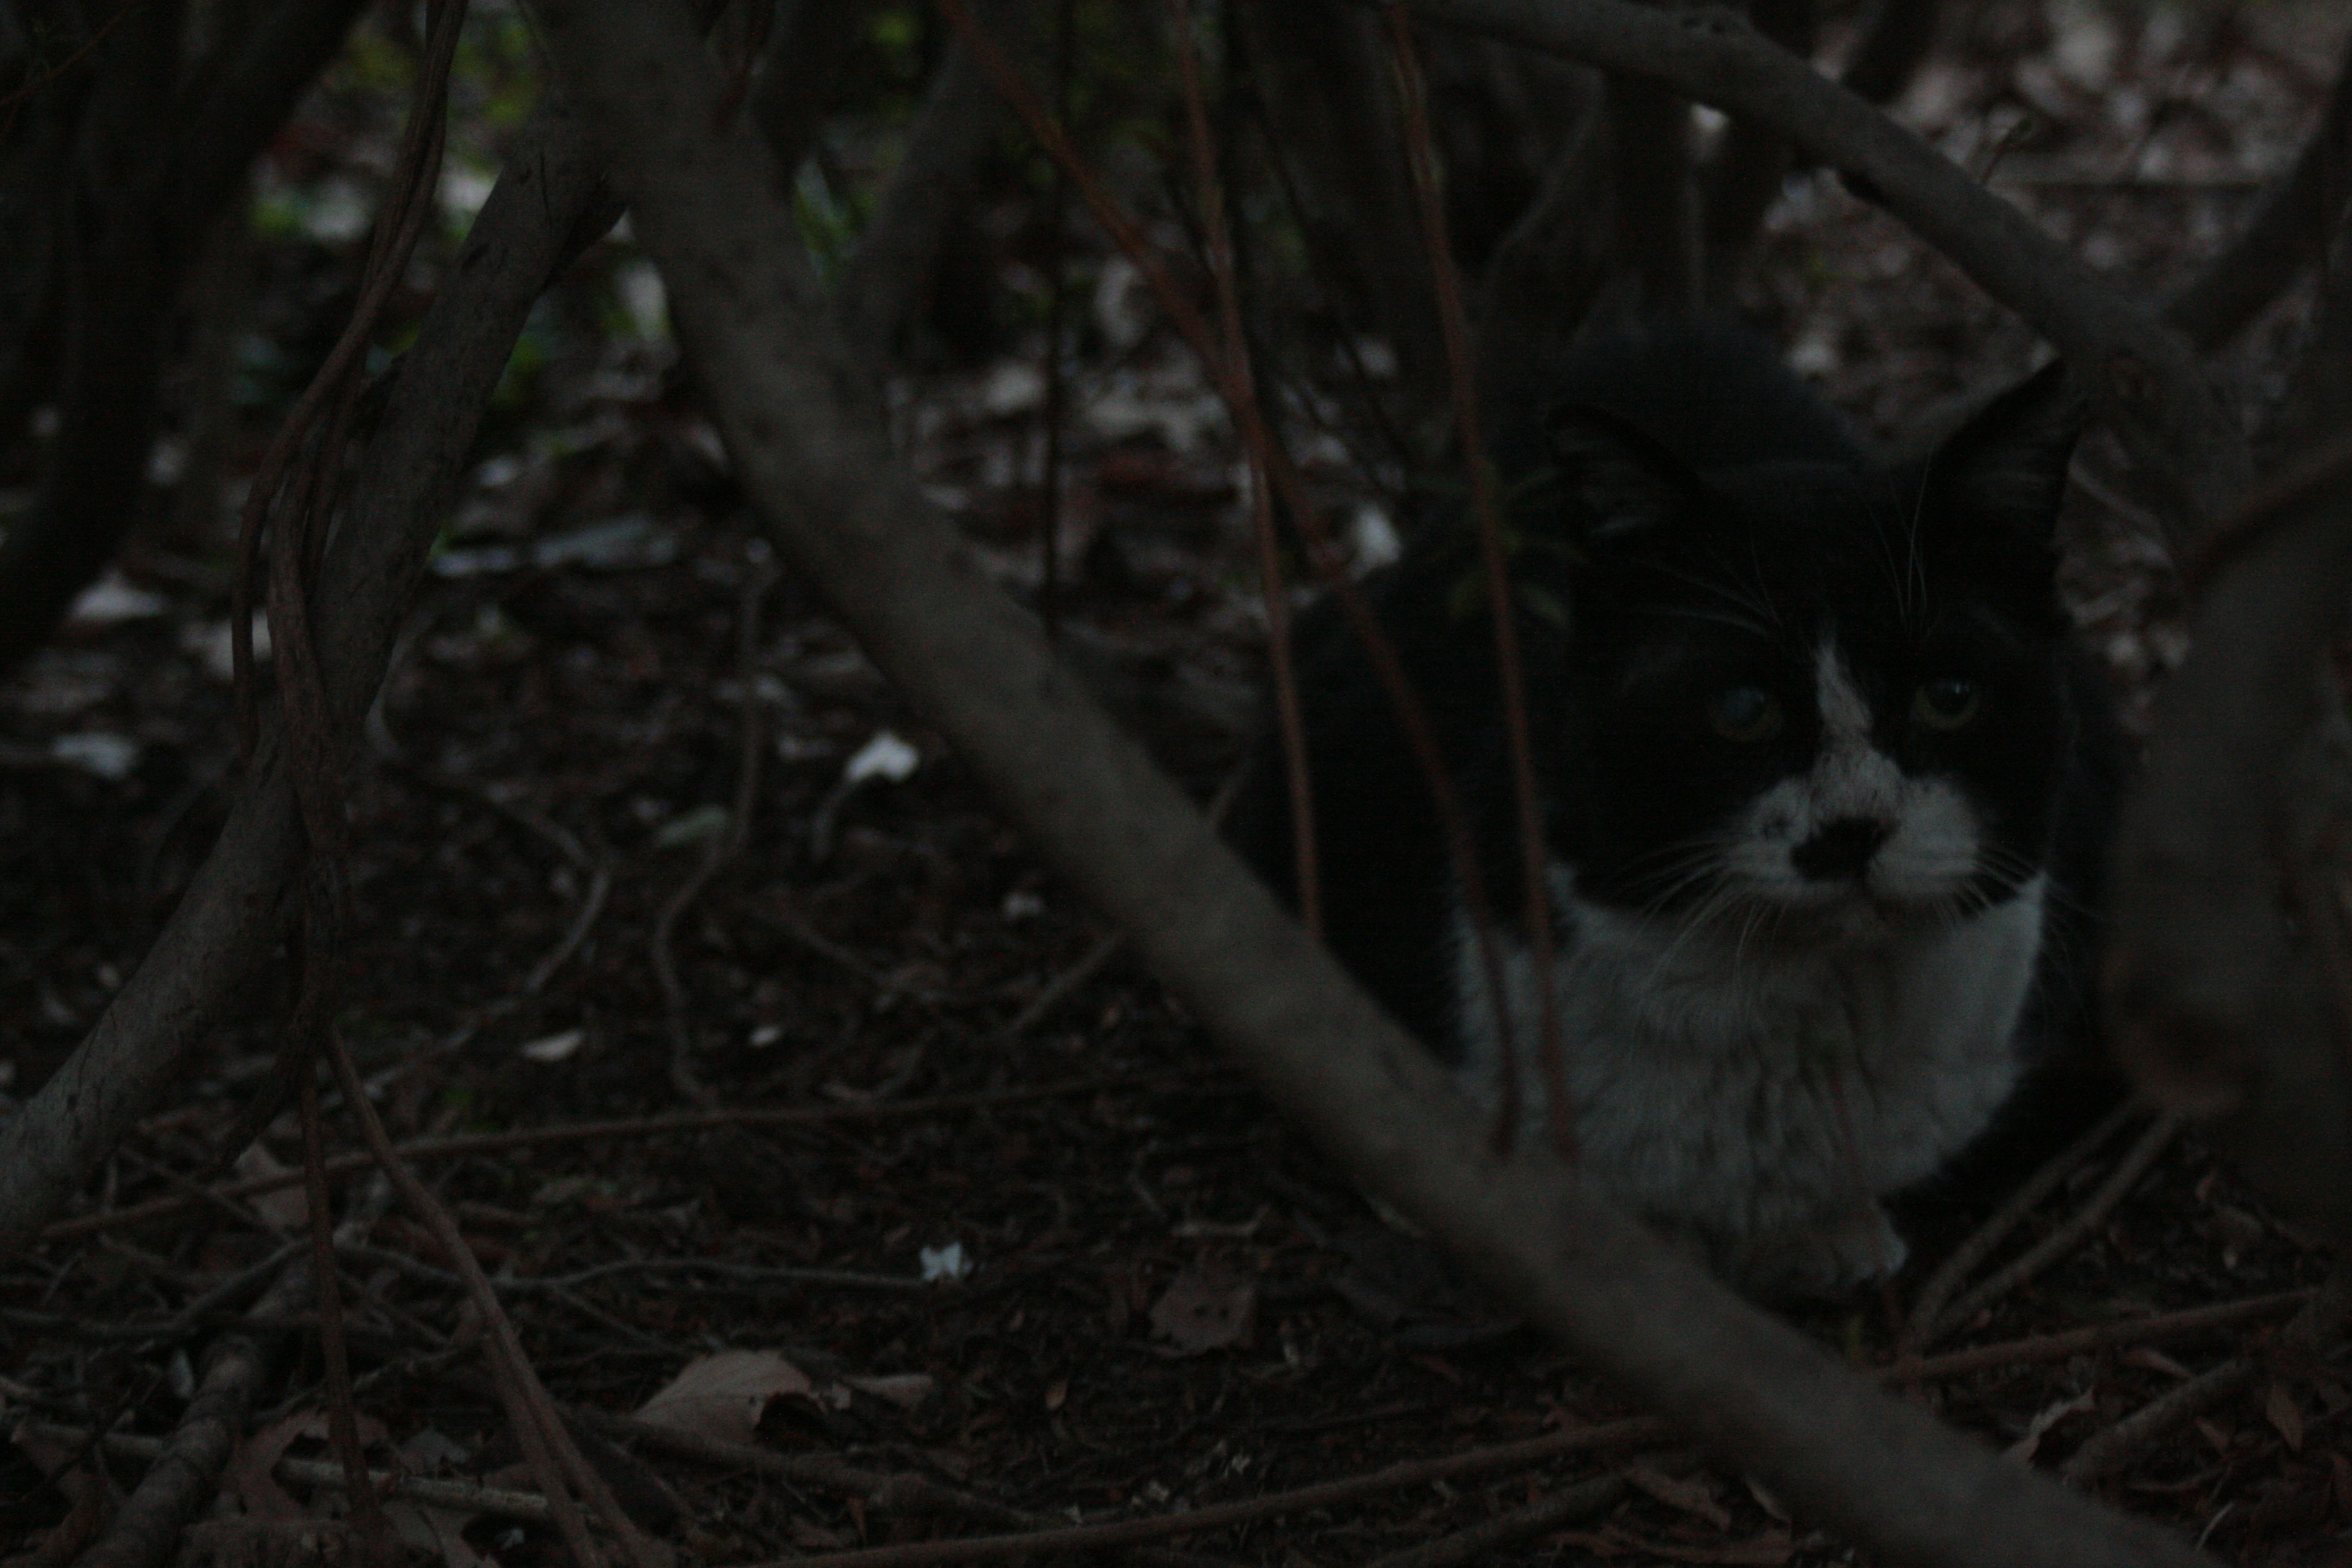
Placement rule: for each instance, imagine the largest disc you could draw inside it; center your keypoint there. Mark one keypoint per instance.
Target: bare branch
(1321, 72)
(2285, 236)
(804, 55)
(884, 280)
(804, 425)
(226, 922)
(1753, 160)
(1898, 38)
(237, 113)
(1655, 196)
(2147, 380)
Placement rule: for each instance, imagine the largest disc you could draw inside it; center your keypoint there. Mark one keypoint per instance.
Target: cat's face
(1809, 700)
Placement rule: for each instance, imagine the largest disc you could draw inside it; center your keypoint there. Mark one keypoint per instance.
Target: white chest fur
(1760, 1098)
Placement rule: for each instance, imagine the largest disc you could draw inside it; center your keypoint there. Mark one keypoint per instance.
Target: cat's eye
(1946, 703)
(1744, 713)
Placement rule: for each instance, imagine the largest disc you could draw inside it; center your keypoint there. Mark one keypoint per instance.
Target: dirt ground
(1030, 1241)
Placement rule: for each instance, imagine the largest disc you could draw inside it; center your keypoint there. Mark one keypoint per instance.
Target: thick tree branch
(2285, 236)
(154, 178)
(2145, 378)
(884, 282)
(811, 42)
(226, 922)
(805, 426)
(237, 113)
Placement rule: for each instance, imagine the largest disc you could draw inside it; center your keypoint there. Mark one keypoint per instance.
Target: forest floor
(1028, 1237)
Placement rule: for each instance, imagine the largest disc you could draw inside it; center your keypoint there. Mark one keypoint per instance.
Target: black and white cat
(1823, 782)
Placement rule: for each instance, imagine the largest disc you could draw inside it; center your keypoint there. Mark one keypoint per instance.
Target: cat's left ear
(1619, 481)
(2006, 466)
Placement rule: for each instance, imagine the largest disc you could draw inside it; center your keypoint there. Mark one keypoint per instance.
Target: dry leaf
(286, 1209)
(1205, 1308)
(2279, 1407)
(1693, 1497)
(438, 1531)
(724, 1395)
(1765, 1500)
(550, 1048)
(2154, 1360)
(2022, 1450)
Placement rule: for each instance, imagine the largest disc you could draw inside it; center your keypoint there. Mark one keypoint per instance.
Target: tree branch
(884, 282)
(2285, 235)
(226, 922)
(2144, 375)
(803, 425)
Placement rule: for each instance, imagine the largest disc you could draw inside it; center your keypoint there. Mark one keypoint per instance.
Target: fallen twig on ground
(538, 1430)
(439, 1491)
(377, 726)
(2321, 1318)
(1927, 1307)
(185, 1473)
(1566, 1506)
(2058, 1244)
(760, 574)
(632, 1127)
(879, 1491)
(1217, 1516)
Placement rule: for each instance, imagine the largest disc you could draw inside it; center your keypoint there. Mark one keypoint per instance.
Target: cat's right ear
(1614, 479)
(2006, 465)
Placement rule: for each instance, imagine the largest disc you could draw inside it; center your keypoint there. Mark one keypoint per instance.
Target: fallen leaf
(724, 1395)
(1693, 1497)
(2153, 1360)
(948, 1262)
(695, 826)
(2279, 1407)
(286, 1209)
(885, 757)
(1765, 1500)
(550, 1048)
(2022, 1450)
(113, 600)
(1205, 1308)
(98, 752)
(438, 1531)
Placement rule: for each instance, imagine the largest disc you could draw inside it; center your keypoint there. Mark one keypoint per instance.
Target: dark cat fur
(1798, 969)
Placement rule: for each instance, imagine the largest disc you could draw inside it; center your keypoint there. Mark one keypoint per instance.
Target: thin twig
(2062, 1241)
(1413, 94)
(1954, 1271)
(1412, 714)
(1479, 1542)
(2321, 1318)
(2034, 1348)
(1218, 1516)
(724, 846)
(633, 1127)
(439, 1493)
(377, 726)
(1241, 390)
(538, 1430)
(335, 1362)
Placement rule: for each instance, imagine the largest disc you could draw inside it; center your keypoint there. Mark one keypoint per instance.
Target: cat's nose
(1840, 849)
